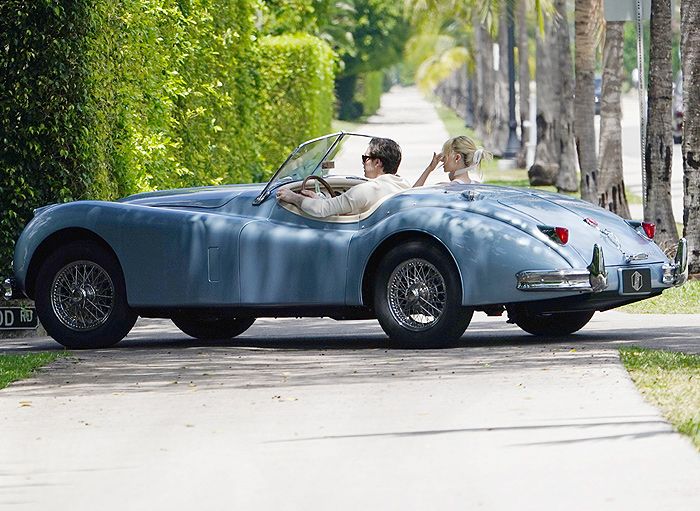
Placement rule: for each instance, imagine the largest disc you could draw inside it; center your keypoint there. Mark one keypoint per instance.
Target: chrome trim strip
(593, 278)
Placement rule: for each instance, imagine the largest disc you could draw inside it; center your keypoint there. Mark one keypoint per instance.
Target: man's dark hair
(388, 152)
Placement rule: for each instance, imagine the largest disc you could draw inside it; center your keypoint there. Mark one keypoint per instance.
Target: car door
(290, 259)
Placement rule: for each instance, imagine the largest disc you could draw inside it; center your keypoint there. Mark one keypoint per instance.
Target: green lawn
(17, 367)
(675, 300)
(670, 381)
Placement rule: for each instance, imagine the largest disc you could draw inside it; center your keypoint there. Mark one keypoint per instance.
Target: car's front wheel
(562, 323)
(208, 329)
(418, 297)
(81, 297)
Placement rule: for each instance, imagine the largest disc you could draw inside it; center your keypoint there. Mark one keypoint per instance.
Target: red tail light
(558, 234)
(563, 234)
(649, 229)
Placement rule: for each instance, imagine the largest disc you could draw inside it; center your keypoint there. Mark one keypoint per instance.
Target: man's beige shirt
(357, 199)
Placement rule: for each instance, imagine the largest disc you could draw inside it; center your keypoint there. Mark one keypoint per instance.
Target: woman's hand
(437, 158)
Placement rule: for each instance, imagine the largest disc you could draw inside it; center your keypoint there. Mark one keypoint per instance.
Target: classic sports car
(421, 261)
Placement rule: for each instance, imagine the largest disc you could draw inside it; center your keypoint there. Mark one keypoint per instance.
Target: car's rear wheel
(418, 297)
(562, 323)
(81, 297)
(213, 328)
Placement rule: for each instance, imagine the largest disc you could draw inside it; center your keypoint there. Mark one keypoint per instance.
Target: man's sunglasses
(365, 158)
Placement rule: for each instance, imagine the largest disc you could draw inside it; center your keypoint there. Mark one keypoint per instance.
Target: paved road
(316, 414)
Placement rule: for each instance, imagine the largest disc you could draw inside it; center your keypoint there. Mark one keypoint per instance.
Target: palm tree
(690, 48)
(658, 149)
(555, 159)
(523, 80)
(584, 109)
(566, 178)
(611, 185)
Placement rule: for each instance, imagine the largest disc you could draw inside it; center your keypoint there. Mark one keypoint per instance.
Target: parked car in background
(677, 121)
(421, 261)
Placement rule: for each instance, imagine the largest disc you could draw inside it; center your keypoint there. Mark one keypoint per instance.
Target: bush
(100, 99)
(359, 95)
(370, 89)
(296, 86)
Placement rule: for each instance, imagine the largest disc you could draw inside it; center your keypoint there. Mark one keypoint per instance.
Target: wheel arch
(392, 241)
(55, 241)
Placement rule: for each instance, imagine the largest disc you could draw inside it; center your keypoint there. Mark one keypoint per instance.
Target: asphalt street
(319, 414)
(316, 414)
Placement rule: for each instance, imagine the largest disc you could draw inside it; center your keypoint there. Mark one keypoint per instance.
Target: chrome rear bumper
(593, 278)
(676, 273)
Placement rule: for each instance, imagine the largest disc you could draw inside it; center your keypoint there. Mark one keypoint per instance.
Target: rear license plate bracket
(635, 281)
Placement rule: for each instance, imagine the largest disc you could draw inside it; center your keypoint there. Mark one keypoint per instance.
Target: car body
(421, 261)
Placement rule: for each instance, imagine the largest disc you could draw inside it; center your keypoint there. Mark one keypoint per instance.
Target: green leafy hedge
(100, 99)
(296, 86)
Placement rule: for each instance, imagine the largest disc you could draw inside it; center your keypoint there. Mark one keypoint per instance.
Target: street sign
(626, 10)
(18, 318)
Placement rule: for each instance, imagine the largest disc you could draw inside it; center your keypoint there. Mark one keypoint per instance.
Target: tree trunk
(486, 84)
(690, 50)
(545, 167)
(611, 184)
(658, 149)
(567, 180)
(584, 108)
(523, 82)
(501, 128)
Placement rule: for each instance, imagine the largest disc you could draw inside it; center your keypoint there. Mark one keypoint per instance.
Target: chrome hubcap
(417, 294)
(82, 295)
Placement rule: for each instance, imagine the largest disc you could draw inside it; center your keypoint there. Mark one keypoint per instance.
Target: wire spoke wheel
(82, 295)
(417, 295)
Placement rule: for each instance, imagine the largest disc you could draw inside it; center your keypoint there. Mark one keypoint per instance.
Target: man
(380, 161)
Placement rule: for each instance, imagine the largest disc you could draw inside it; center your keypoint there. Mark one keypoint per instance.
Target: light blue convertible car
(421, 261)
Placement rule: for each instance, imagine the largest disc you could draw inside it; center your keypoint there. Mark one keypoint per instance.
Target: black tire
(210, 329)
(439, 285)
(677, 139)
(551, 325)
(81, 297)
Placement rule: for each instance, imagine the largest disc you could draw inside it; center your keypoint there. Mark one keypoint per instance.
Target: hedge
(100, 99)
(359, 94)
(296, 87)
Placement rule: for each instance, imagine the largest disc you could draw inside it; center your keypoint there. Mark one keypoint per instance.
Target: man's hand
(286, 195)
(309, 193)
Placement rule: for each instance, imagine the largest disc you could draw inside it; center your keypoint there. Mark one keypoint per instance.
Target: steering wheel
(320, 180)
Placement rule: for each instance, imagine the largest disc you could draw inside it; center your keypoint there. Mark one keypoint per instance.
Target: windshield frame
(275, 180)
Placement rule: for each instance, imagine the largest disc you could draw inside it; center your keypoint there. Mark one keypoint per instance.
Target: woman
(459, 156)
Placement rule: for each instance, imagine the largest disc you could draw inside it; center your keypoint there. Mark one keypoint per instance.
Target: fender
(485, 250)
(145, 241)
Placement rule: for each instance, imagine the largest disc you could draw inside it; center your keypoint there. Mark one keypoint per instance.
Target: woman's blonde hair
(472, 155)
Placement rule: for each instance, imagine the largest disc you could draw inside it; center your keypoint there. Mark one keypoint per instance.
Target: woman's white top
(357, 199)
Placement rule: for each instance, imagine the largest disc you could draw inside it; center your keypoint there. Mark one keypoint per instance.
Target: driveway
(318, 414)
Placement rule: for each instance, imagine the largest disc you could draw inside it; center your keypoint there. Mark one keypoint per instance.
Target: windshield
(331, 154)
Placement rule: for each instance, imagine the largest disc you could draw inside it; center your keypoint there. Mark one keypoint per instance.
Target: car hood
(209, 197)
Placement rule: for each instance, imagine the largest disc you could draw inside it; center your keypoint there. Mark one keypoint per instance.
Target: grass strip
(674, 300)
(671, 381)
(17, 367)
